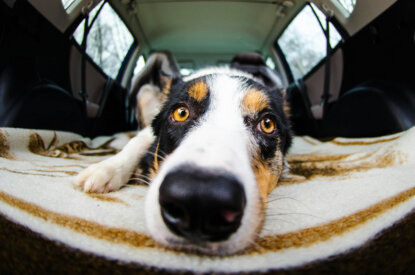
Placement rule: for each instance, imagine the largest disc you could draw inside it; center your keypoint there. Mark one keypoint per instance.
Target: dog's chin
(224, 248)
(204, 248)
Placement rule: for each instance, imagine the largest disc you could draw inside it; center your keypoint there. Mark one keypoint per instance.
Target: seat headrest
(254, 63)
(249, 58)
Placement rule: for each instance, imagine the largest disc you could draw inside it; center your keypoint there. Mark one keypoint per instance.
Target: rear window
(108, 40)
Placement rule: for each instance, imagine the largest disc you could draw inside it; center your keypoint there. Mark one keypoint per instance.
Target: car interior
(69, 65)
(76, 69)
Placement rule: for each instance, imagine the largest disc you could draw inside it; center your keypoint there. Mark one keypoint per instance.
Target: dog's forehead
(253, 96)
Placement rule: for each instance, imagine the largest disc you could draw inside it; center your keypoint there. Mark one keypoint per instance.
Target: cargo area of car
(49, 81)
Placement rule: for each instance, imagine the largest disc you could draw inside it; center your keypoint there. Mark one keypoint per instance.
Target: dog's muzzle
(201, 206)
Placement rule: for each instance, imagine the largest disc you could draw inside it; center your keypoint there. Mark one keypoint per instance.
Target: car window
(69, 4)
(139, 65)
(108, 40)
(346, 5)
(303, 42)
(186, 68)
(270, 63)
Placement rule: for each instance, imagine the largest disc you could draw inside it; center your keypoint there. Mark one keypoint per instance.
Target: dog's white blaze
(219, 141)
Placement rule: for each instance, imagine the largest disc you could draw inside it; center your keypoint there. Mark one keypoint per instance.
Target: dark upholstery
(27, 102)
(254, 63)
(373, 108)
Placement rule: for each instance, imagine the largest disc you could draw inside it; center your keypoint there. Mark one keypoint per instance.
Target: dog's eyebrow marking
(198, 91)
(255, 101)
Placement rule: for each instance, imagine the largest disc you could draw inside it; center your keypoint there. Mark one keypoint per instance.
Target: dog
(214, 152)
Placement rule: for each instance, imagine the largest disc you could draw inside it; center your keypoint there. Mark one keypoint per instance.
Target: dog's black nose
(201, 206)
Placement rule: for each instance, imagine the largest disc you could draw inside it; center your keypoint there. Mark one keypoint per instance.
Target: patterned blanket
(348, 207)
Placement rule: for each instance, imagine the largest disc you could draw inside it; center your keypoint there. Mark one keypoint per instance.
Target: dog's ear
(285, 105)
(157, 76)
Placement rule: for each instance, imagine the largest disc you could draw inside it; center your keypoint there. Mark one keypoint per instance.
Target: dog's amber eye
(180, 114)
(267, 125)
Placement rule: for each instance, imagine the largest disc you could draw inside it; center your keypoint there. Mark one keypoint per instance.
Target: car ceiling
(209, 32)
(202, 29)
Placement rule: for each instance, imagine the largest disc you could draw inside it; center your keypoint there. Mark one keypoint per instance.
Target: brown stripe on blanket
(301, 238)
(112, 234)
(310, 166)
(313, 235)
(69, 173)
(37, 146)
(363, 142)
(106, 198)
(4, 147)
(31, 173)
(308, 140)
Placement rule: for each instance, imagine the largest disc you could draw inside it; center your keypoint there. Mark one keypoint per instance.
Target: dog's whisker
(143, 177)
(273, 219)
(264, 229)
(157, 155)
(254, 244)
(286, 214)
(162, 152)
(282, 198)
(138, 180)
(294, 213)
(286, 197)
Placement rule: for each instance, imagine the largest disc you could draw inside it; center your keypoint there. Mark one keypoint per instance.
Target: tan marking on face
(198, 91)
(156, 156)
(255, 101)
(267, 175)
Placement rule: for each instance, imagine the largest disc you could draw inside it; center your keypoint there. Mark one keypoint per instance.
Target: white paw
(102, 177)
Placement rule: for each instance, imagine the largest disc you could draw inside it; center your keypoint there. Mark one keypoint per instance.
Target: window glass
(335, 36)
(186, 71)
(186, 67)
(67, 3)
(347, 5)
(108, 39)
(140, 65)
(303, 42)
(270, 63)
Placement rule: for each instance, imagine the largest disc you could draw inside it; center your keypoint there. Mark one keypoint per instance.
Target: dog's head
(221, 138)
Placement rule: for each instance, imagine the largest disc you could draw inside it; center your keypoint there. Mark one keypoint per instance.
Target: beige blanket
(349, 206)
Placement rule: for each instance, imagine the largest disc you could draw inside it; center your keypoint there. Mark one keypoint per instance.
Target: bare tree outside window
(303, 42)
(108, 40)
(348, 5)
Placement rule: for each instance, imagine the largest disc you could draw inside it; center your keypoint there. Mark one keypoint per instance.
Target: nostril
(175, 214)
(231, 216)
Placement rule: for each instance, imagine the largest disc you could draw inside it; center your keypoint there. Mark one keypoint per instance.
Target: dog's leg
(114, 172)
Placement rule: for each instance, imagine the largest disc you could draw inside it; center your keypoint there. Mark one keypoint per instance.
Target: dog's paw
(102, 177)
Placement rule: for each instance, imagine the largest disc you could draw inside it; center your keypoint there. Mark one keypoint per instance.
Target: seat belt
(321, 110)
(326, 89)
(83, 93)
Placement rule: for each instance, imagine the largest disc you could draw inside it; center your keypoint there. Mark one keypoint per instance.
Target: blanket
(348, 206)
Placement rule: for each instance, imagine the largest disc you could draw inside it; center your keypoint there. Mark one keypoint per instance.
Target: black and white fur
(220, 137)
